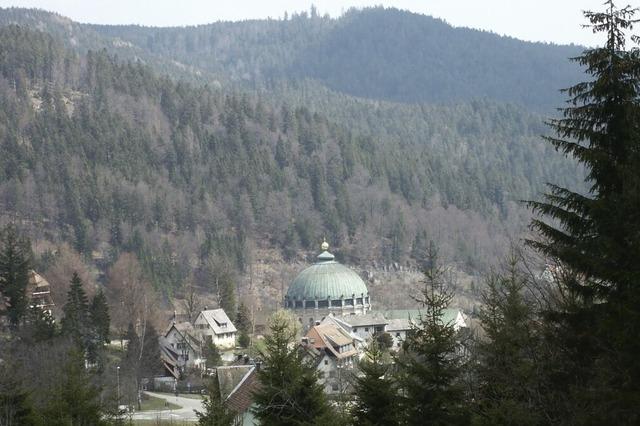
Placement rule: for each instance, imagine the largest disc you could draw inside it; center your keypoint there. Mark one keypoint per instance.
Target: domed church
(327, 287)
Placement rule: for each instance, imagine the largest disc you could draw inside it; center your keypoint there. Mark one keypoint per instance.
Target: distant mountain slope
(402, 56)
(376, 53)
(110, 156)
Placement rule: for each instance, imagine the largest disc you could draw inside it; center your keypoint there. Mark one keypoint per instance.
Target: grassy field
(151, 403)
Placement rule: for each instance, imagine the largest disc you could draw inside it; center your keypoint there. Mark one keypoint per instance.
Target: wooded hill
(111, 155)
(378, 53)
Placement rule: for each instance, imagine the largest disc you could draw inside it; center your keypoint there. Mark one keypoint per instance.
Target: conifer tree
(507, 357)
(40, 324)
(243, 324)
(100, 319)
(76, 400)
(376, 393)
(215, 412)
(212, 355)
(595, 238)
(430, 366)
(599, 233)
(16, 407)
(150, 361)
(14, 275)
(289, 392)
(76, 321)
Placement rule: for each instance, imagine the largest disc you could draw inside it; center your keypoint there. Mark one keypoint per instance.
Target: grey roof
(229, 377)
(372, 318)
(217, 317)
(400, 324)
(326, 279)
(186, 331)
(449, 316)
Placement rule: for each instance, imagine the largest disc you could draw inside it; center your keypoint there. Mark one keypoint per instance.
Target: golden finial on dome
(325, 245)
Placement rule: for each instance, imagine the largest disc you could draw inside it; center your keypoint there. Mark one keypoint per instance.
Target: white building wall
(206, 333)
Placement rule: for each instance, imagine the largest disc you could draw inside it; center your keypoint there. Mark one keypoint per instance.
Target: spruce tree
(16, 407)
(41, 325)
(212, 355)
(431, 363)
(243, 324)
(150, 361)
(215, 412)
(599, 234)
(100, 319)
(14, 275)
(507, 364)
(375, 391)
(289, 392)
(594, 238)
(76, 400)
(76, 321)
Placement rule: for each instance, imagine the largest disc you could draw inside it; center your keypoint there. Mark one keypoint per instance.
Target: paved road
(186, 413)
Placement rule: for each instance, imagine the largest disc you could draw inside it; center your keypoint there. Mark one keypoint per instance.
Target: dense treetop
(104, 151)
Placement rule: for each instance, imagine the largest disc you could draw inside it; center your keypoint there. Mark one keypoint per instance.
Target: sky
(556, 21)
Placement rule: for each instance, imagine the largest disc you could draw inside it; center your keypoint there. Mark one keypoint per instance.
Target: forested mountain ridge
(376, 53)
(112, 157)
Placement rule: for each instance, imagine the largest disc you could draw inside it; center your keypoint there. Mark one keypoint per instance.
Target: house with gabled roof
(334, 353)
(180, 349)
(214, 326)
(237, 384)
(39, 292)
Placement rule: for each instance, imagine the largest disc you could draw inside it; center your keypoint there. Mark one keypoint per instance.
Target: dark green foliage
(76, 322)
(594, 238)
(508, 357)
(40, 325)
(244, 325)
(117, 154)
(16, 407)
(212, 355)
(142, 356)
(598, 236)
(289, 393)
(100, 319)
(244, 340)
(76, 401)
(243, 318)
(376, 393)
(431, 362)
(14, 274)
(384, 340)
(215, 412)
(150, 361)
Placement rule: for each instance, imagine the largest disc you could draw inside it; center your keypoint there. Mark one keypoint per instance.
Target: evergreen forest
(149, 169)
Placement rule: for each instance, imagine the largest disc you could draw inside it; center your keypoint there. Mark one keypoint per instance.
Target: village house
(237, 384)
(180, 349)
(214, 326)
(364, 326)
(39, 292)
(333, 351)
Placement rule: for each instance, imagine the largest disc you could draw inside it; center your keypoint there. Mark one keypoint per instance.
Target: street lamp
(118, 389)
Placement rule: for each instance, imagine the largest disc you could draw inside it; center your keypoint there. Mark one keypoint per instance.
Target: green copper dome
(327, 279)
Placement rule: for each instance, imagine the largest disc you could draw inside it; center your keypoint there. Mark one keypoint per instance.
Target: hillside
(376, 53)
(112, 157)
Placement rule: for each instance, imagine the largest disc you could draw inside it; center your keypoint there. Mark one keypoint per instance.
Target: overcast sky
(557, 21)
